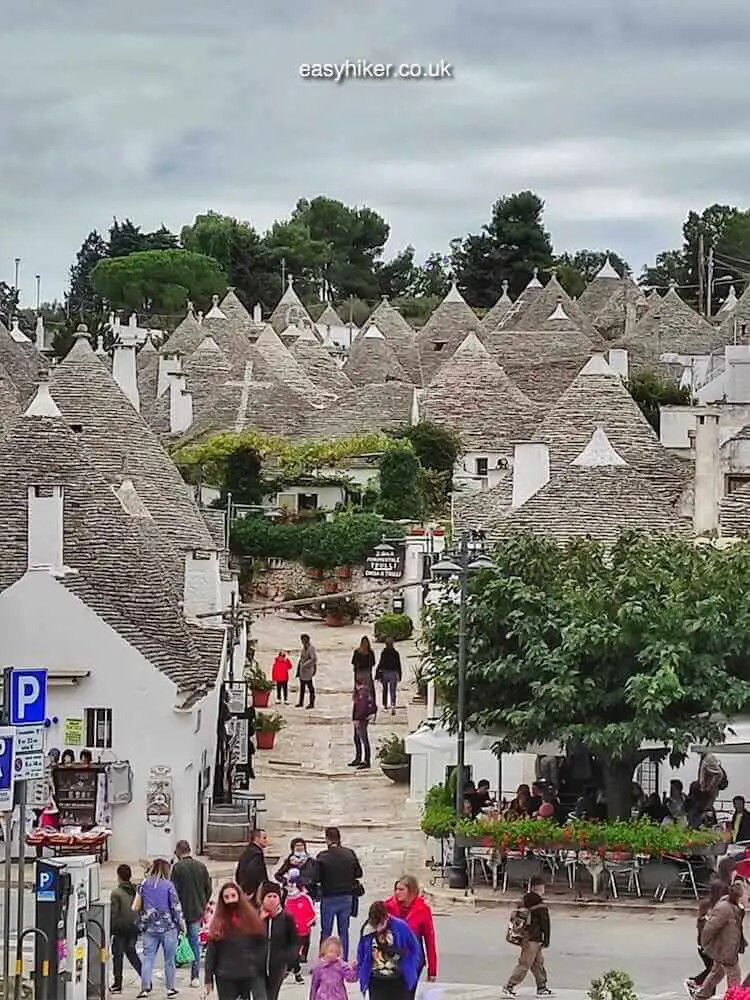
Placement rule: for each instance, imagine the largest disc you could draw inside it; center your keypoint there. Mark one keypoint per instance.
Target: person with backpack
(529, 930)
(123, 924)
(723, 941)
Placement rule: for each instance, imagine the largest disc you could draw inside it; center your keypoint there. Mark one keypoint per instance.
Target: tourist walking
(363, 710)
(307, 668)
(300, 860)
(193, 884)
(363, 663)
(389, 957)
(235, 950)
(717, 889)
(722, 941)
(531, 925)
(280, 671)
(331, 973)
(282, 942)
(389, 674)
(123, 923)
(161, 922)
(251, 870)
(337, 874)
(408, 903)
(300, 908)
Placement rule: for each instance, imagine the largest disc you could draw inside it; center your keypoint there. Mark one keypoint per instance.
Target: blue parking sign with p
(46, 879)
(6, 760)
(28, 697)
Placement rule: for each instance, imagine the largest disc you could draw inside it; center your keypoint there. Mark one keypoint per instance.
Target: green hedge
(345, 540)
(393, 626)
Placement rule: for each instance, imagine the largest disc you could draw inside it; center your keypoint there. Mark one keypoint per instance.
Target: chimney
(737, 373)
(124, 372)
(257, 313)
(169, 366)
(45, 528)
(39, 334)
(180, 405)
(631, 315)
(530, 470)
(618, 361)
(708, 480)
(202, 584)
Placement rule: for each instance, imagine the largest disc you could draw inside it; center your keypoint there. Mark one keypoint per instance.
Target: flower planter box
(438, 533)
(265, 740)
(418, 531)
(261, 698)
(397, 773)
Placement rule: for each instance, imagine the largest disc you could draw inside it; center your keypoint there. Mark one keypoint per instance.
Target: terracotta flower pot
(417, 531)
(334, 620)
(315, 574)
(330, 586)
(261, 698)
(265, 740)
(343, 572)
(438, 533)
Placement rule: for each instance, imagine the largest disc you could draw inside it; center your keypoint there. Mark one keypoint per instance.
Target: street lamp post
(468, 559)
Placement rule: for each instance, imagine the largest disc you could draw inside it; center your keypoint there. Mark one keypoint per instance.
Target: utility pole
(38, 279)
(709, 282)
(701, 275)
(283, 275)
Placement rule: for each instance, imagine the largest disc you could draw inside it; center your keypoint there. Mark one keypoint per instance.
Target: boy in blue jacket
(389, 957)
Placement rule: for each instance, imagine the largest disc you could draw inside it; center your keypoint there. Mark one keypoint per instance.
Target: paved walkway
(306, 778)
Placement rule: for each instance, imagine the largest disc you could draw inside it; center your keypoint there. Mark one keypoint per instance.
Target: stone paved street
(305, 777)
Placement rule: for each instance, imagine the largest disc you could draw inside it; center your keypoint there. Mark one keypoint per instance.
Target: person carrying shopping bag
(161, 923)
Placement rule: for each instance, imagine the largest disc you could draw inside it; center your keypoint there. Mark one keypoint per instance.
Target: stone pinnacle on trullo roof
(559, 313)
(215, 312)
(730, 301)
(607, 270)
(43, 405)
(534, 282)
(599, 453)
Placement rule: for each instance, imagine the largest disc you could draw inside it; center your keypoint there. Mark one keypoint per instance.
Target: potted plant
(340, 611)
(420, 682)
(417, 531)
(267, 724)
(343, 572)
(613, 985)
(315, 573)
(394, 760)
(260, 686)
(330, 586)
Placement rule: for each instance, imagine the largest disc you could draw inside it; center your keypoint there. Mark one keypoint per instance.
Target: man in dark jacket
(123, 923)
(534, 940)
(337, 874)
(193, 884)
(740, 825)
(251, 868)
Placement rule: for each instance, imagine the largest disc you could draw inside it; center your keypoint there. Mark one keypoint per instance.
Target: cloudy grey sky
(622, 115)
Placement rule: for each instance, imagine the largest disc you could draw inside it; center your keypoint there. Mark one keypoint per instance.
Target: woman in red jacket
(407, 903)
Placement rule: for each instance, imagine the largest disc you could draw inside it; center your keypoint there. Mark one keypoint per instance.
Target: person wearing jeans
(123, 924)
(161, 921)
(389, 674)
(363, 709)
(337, 874)
(192, 881)
(307, 668)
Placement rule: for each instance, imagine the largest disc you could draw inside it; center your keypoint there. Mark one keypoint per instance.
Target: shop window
(482, 465)
(98, 725)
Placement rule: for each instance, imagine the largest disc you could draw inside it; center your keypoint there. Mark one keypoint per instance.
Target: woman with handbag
(161, 923)
(723, 941)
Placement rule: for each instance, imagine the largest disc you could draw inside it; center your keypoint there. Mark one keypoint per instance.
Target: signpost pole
(21, 889)
(7, 889)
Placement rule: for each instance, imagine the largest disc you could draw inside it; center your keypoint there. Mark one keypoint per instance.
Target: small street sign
(30, 740)
(7, 773)
(29, 766)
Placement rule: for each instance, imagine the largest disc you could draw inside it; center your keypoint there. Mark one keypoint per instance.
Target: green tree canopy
(401, 493)
(157, 281)
(83, 302)
(651, 390)
(509, 247)
(647, 643)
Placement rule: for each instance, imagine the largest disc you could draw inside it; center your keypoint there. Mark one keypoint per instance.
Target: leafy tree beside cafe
(645, 644)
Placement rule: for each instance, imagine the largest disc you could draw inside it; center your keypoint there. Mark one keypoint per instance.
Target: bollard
(41, 987)
(103, 956)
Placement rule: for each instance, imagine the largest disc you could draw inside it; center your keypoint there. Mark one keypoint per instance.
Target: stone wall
(288, 581)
